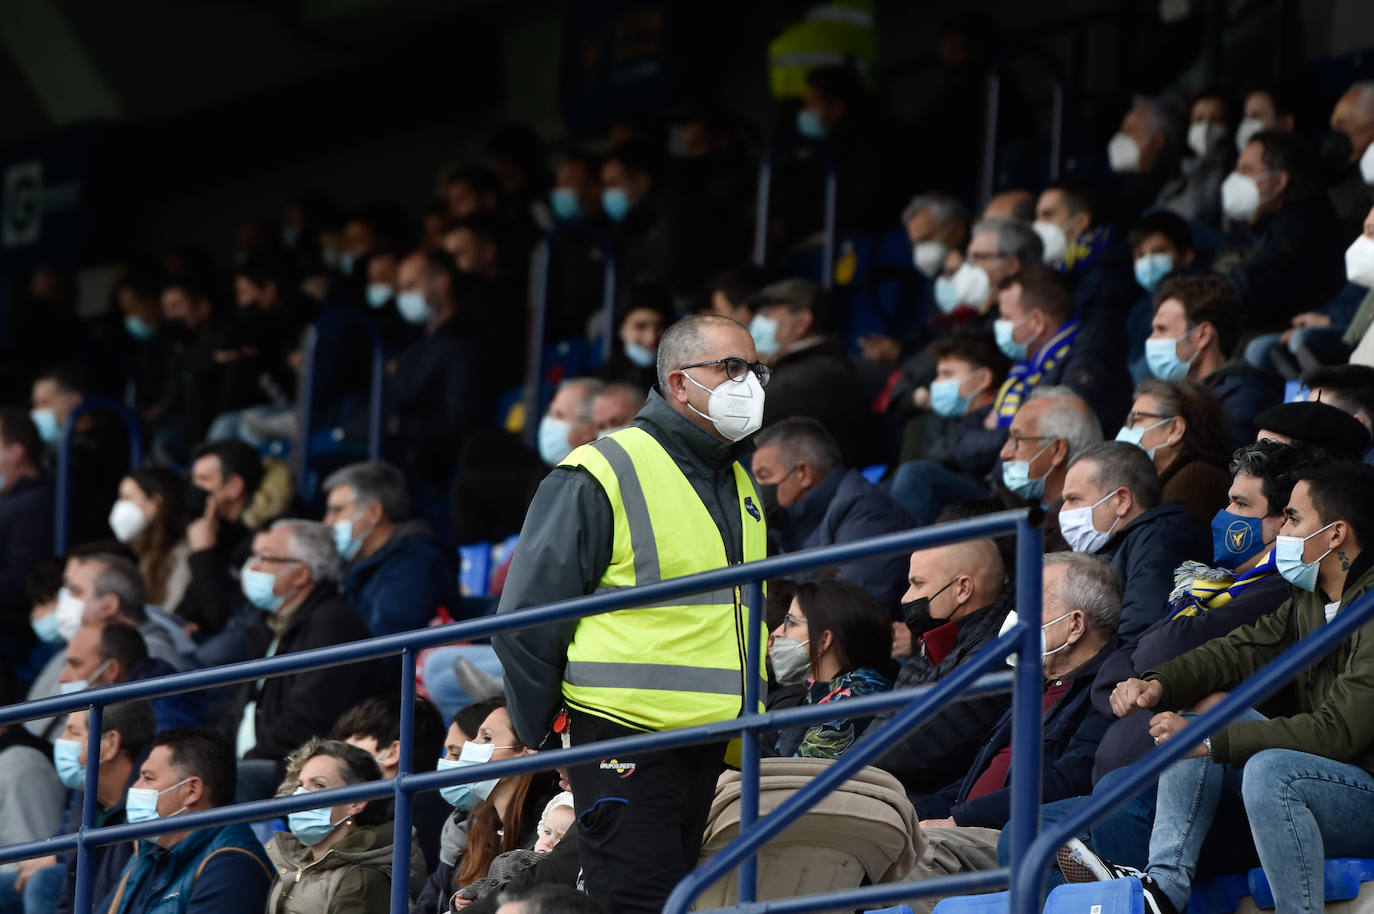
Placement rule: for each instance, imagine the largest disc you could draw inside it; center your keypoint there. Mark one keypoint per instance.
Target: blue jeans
(925, 488)
(41, 893)
(443, 686)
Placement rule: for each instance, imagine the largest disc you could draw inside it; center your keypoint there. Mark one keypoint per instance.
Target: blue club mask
(1235, 539)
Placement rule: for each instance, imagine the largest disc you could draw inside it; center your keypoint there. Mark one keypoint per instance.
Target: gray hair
(313, 543)
(945, 209)
(589, 388)
(1014, 237)
(1089, 586)
(374, 481)
(1118, 465)
(1364, 98)
(1164, 116)
(120, 577)
(1073, 420)
(684, 343)
(803, 438)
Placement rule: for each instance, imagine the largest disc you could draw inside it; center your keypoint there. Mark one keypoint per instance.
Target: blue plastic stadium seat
(1221, 895)
(900, 909)
(994, 903)
(474, 570)
(502, 550)
(1116, 896)
(875, 472)
(1344, 876)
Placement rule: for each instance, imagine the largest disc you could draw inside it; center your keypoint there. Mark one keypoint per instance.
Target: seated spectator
(1179, 426)
(1269, 763)
(26, 518)
(224, 476)
(1349, 388)
(957, 448)
(183, 415)
(293, 578)
(1266, 108)
(1016, 204)
(961, 822)
(568, 424)
(357, 875)
(1196, 193)
(644, 314)
(111, 652)
(1036, 329)
(490, 304)
(616, 405)
(997, 250)
(1195, 332)
(1284, 257)
(814, 500)
(43, 586)
(1048, 433)
(103, 587)
(399, 575)
(956, 601)
(1161, 244)
(1144, 153)
(730, 292)
(31, 797)
(1319, 425)
(147, 517)
(837, 641)
(374, 726)
(1080, 243)
(812, 374)
(652, 222)
(472, 189)
(126, 730)
(559, 816)
(1112, 509)
(218, 868)
(1352, 119)
(576, 192)
(935, 225)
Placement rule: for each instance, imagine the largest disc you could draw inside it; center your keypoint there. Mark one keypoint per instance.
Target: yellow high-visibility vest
(830, 35)
(676, 664)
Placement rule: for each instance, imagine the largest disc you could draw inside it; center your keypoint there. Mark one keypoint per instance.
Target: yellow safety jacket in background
(676, 664)
(830, 35)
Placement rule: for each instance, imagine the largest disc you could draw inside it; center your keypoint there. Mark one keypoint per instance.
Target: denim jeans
(1301, 808)
(925, 488)
(41, 893)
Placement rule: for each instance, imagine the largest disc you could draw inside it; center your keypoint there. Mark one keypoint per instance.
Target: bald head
(701, 338)
(957, 579)
(1354, 116)
(1011, 204)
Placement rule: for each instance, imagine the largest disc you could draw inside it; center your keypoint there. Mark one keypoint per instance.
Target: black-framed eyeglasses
(1016, 438)
(273, 559)
(1135, 416)
(737, 369)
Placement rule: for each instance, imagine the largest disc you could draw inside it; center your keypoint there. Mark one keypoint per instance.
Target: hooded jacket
(353, 876)
(1144, 555)
(1244, 392)
(565, 547)
(400, 586)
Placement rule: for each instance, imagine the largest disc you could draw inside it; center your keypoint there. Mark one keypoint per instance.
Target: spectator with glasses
(1179, 426)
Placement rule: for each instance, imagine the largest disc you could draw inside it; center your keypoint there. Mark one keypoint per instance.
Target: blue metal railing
(1024, 639)
(61, 528)
(339, 319)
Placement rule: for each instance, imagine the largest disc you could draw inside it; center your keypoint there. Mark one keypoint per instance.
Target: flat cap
(1319, 424)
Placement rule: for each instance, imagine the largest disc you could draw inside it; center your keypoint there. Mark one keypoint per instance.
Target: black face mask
(1335, 154)
(917, 615)
(769, 496)
(194, 499)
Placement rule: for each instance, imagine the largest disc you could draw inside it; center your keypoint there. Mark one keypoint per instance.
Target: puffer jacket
(353, 876)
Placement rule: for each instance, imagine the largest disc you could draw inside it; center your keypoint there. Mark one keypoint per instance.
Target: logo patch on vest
(623, 769)
(752, 508)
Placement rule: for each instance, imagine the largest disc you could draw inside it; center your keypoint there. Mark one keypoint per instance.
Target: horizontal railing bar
(988, 525)
(953, 884)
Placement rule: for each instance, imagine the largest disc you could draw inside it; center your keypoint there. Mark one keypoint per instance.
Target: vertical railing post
(85, 875)
(400, 848)
(306, 406)
(987, 174)
(538, 317)
(608, 290)
(828, 246)
(1026, 706)
(749, 740)
(761, 205)
(376, 395)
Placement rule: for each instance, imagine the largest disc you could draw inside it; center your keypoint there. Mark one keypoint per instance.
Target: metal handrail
(763, 202)
(987, 174)
(1026, 729)
(61, 532)
(340, 317)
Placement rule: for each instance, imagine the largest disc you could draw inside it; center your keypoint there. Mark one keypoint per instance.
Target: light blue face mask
(66, 755)
(467, 796)
(413, 307)
(809, 124)
(310, 826)
(563, 201)
(379, 293)
(1136, 435)
(1002, 330)
(1151, 268)
(258, 588)
(346, 261)
(946, 295)
(553, 440)
(345, 543)
(764, 330)
(1162, 357)
(945, 398)
(1288, 552)
(616, 202)
(45, 627)
(46, 420)
(1016, 476)
(140, 803)
(138, 328)
(644, 358)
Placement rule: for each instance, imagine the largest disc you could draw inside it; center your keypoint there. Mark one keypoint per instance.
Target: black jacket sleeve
(564, 548)
(942, 750)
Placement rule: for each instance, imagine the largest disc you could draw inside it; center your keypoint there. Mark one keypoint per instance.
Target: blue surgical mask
(310, 826)
(346, 261)
(45, 627)
(258, 588)
(809, 124)
(945, 398)
(379, 293)
(1016, 476)
(138, 328)
(1003, 330)
(1235, 539)
(467, 796)
(1288, 558)
(345, 542)
(413, 306)
(140, 803)
(644, 358)
(1136, 435)
(1162, 357)
(81, 685)
(946, 295)
(616, 202)
(553, 440)
(66, 755)
(46, 420)
(1151, 268)
(764, 330)
(290, 234)
(565, 204)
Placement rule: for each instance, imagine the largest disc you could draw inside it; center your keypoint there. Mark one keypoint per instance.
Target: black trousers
(640, 816)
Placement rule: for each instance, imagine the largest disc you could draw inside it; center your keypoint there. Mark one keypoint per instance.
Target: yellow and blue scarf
(1024, 377)
(1199, 588)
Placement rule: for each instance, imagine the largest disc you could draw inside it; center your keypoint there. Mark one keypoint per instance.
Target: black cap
(1318, 424)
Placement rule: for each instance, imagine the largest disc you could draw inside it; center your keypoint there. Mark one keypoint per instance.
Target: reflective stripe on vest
(676, 662)
(829, 35)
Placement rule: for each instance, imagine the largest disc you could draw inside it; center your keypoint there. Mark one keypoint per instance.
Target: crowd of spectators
(1173, 296)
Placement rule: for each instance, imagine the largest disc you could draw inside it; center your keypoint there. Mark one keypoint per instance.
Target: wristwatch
(1207, 744)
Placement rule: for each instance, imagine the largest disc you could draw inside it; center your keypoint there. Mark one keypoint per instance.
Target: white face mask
(1079, 530)
(69, 612)
(1240, 197)
(972, 284)
(127, 520)
(1367, 165)
(1123, 154)
(1248, 128)
(1203, 135)
(735, 407)
(1359, 260)
(1053, 238)
(929, 257)
(1010, 622)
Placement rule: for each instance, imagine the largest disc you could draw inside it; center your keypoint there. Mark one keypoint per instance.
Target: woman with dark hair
(1181, 426)
(334, 859)
(838, 640)
(148, 518)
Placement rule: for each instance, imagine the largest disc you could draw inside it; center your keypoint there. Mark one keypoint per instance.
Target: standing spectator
(1179, 426)
(399, 575)
(183, 415)
(26, 512)
(219, 869)
(148, 518)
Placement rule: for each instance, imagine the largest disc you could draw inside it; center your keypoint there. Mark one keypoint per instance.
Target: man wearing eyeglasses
(664, 498)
